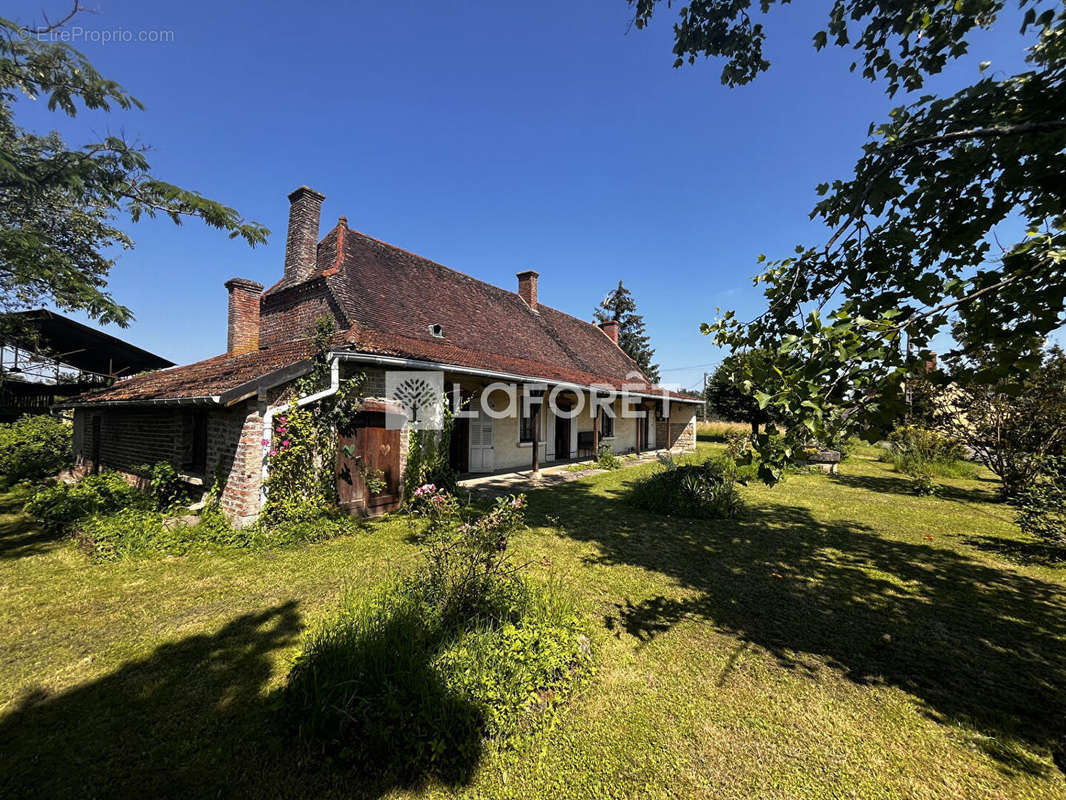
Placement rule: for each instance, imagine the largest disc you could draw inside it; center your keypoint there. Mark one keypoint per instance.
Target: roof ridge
(469, 277)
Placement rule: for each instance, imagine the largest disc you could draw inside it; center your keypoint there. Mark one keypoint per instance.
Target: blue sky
(491, 137)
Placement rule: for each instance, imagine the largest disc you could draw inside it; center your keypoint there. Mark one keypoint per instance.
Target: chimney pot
(610, 327)
(527, 287)
(301, 246)
(243, 328)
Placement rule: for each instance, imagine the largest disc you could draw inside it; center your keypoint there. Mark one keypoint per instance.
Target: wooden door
(562, 435)
(368, 449)
(459, 446)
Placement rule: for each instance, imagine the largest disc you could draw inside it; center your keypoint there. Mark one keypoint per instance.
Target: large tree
(729, 391)
(59, 204)
(911, 242)
(1010, 427)
(620, 306)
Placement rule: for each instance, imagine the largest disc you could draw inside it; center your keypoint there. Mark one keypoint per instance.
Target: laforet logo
(421, 394)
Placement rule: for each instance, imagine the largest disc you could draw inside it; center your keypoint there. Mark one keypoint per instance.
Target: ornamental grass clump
(919, 452)
(414, 679)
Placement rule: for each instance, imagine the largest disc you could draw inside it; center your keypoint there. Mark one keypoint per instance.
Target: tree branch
(51, 26)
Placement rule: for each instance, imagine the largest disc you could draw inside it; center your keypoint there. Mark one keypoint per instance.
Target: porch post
(639, 422)
(536, 437)
(595, 426)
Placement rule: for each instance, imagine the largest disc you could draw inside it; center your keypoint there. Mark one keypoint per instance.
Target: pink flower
(281, 420)
(425, 489)
(273, 452)
(282, 429)
(285, 443)
(266, 443)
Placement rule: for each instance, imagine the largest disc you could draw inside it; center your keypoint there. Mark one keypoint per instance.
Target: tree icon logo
(422, 396)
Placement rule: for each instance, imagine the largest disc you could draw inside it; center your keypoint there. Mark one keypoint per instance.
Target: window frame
(604, 417)
(194, 450)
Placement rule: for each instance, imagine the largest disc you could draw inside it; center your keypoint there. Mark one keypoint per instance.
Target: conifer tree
(620, 306)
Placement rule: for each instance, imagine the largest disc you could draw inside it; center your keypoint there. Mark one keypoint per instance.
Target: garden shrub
(128, 533)
(737, 443)
(166, 487)
(407, 682)
(704, 490)
(605, 459)
(34, 447)
(138, 532)
(60, 508)
(1043, 505)
(925, 453)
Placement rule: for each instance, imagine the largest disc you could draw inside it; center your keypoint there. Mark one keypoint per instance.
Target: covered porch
(502, 428)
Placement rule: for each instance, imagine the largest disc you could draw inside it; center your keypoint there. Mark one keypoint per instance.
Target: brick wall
(132, 437)
(301, 244)
(291, 314)
(128, 437)
(235, 446)
(242, 332)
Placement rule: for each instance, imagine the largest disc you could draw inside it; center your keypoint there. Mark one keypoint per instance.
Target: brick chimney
(301, 246)
(610, 327)
(242, 333)
(527, 287)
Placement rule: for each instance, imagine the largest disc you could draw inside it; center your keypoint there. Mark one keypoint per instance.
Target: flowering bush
(467, 562)
(410, 681)
(299, 485)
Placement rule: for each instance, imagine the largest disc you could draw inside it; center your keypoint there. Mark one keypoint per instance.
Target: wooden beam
(595, 431)
(535, 409)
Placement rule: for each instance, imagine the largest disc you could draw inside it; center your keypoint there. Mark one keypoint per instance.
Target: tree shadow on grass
(887, 484)
(975, 645)
(1019, 551)
(196, 718)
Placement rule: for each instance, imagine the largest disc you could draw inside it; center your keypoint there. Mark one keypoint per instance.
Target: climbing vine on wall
(301, 453)
(427, 456)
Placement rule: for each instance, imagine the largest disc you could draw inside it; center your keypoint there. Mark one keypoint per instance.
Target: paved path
(503, 483)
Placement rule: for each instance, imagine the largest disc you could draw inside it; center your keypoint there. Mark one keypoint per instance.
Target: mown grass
(843, 638)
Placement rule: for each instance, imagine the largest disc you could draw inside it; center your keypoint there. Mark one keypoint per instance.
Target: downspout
(268, 418)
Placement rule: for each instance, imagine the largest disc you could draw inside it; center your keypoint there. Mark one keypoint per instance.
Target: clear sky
(489, 136)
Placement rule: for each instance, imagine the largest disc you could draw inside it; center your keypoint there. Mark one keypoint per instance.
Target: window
(525, 427)
(194, 442)
(606, 424)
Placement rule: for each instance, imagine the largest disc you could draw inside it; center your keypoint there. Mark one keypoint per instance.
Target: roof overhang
(204, 400)
(244, 391)
(399, 361)
(257, 387)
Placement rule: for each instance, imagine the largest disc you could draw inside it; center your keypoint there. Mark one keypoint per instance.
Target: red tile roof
(391, 298)
(208, 378)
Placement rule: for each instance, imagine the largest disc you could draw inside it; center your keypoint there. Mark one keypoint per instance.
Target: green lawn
(844, 639)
